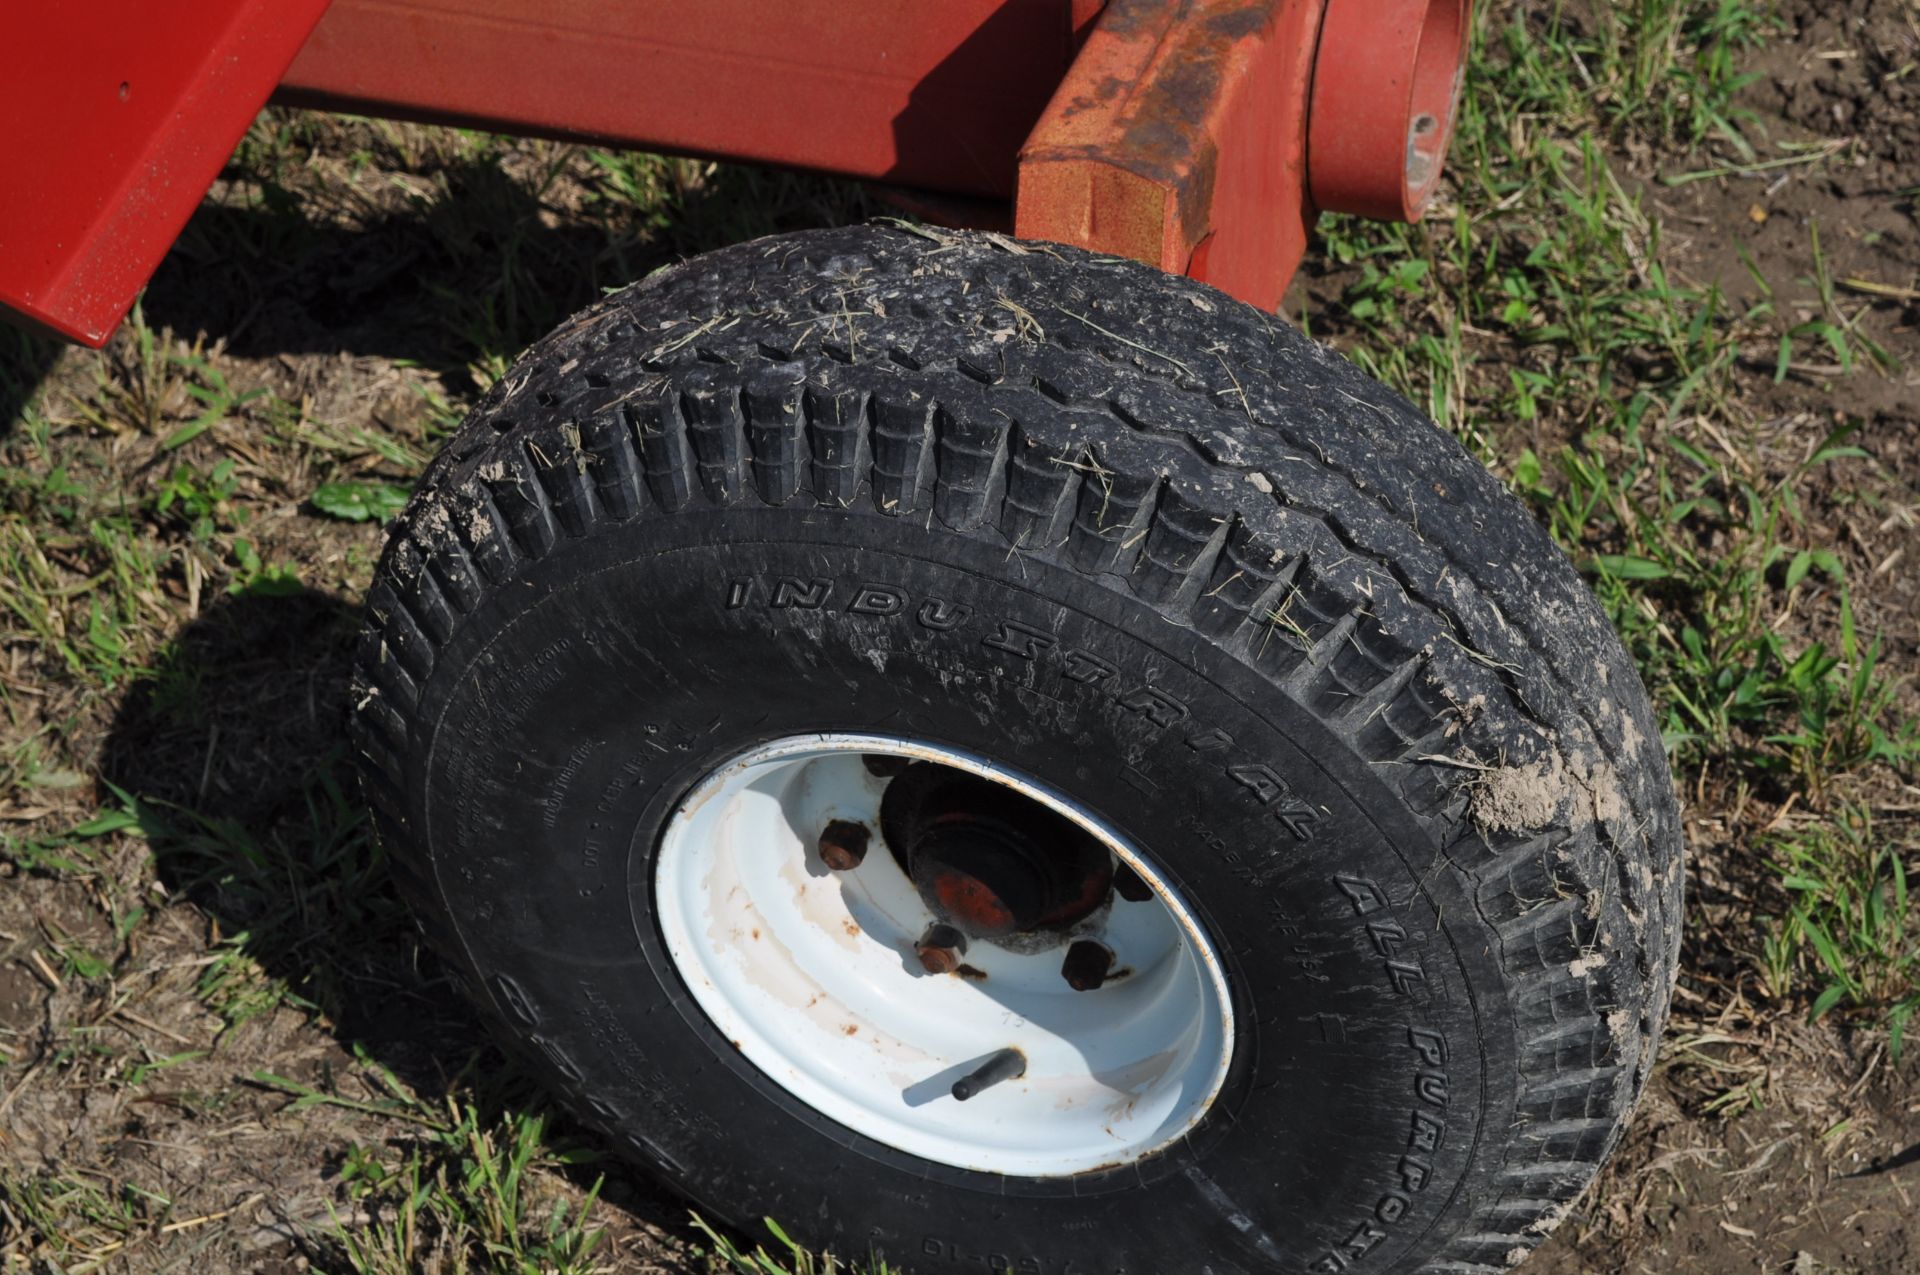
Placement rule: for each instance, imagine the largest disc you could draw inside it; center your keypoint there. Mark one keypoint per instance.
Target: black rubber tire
(1137, 539)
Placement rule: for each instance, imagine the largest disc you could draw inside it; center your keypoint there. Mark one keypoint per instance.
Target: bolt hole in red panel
(1385, 87)
(119, 114)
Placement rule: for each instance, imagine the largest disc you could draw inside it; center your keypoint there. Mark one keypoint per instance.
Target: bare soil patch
(1822, 1172)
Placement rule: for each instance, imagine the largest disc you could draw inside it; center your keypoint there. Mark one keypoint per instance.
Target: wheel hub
(988, 860)
(982, 994)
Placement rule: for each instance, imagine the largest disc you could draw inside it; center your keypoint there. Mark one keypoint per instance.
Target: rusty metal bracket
(1179, 139)
(1180, 136)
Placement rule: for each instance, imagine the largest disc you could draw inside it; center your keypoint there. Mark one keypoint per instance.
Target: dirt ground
(214, 1015)
(1825, 1175)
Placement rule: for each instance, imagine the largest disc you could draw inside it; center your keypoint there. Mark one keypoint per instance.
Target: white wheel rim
(811, 975)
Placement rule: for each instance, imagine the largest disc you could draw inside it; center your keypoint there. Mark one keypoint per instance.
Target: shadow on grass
(234, 754)
(25, 360)
(233, 751)
(477, 271)
(470, 274)
(237, 744)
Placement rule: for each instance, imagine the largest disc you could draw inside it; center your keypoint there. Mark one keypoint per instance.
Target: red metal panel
(1179, 139)
(936, 94)
(1180, 135)
(1386, 81)
(117, 115)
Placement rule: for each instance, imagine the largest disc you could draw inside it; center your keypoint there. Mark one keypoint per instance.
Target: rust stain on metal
(1180, 135)
(937, 960)
(1131, 154)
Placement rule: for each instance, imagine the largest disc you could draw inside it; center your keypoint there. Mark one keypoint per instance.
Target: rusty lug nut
(1086, 965)
(1128, 885)
(939, 949)
(843, 845)
(884, 765)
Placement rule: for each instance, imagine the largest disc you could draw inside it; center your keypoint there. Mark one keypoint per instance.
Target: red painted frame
(118, 118)
(936, 96)
(1178, 134)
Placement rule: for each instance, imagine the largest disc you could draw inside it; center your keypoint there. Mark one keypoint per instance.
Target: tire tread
(1292, 512)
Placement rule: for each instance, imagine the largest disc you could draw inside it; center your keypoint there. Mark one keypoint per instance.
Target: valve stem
(1008, 1064)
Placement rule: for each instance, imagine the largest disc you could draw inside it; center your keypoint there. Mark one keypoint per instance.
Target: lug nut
(1086, 966)
(939, 949)
(884, 765)
(1128, 885)
(843, 845)
(1008, 1064)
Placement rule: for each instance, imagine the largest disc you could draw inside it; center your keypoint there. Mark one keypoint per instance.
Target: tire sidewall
(591, 693)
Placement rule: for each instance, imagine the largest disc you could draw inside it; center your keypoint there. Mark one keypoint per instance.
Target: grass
(186, 521)
(1851, 923)
(467, 1195)
(455, 1189)
(1544, 298)
(791, 1259)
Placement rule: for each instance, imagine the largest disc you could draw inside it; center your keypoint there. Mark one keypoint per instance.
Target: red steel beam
(934, 94)
(118, 115)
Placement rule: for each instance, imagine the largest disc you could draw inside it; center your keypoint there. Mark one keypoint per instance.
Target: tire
(1137, 541)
